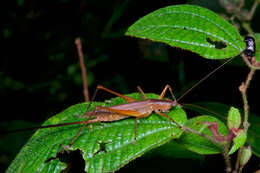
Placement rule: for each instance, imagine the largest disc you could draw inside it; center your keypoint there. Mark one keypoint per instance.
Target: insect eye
(250, 46)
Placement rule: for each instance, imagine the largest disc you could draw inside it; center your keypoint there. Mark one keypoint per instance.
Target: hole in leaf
(217, 44)
(73, 159)
(102, 147)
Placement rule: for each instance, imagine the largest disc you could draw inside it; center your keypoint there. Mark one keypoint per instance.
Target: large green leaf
(105, 147)
(190, 27)
(200, 144)
(220, 110)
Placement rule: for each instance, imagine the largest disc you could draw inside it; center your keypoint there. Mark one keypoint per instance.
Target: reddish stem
(83, 68)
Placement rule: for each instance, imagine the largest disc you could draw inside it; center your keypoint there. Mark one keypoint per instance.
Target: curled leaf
(200, 144)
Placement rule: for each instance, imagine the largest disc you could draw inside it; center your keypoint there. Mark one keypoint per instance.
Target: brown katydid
(133, 108)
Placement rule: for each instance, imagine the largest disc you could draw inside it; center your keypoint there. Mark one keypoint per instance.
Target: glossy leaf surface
(197, 143)
(105, 147)
(220, 110)
(192, 28)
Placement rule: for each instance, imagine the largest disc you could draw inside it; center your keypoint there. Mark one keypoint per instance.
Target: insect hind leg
(100, 87)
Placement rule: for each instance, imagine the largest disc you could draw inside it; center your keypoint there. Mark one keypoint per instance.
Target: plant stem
(227, 159)
(254, 66)
(83, 69)
(243, 89)
(247, 27)
(213, 140)
(252, 11)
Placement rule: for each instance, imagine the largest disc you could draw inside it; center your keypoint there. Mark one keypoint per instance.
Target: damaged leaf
(105, 147)
(192, 28)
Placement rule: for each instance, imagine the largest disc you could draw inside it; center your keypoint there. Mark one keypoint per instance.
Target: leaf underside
(105, 147)
(220, 110)
(192, 28)
(197, 143)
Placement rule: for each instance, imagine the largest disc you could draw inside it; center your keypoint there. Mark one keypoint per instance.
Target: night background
(40, 73)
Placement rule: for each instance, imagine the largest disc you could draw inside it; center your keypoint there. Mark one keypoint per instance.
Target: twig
(254, 66)
(215, 141)
(227, 158)
(212, 139)
(258, 171)
(243, 89)
(83, 69)
(252, 11)
(250, 15)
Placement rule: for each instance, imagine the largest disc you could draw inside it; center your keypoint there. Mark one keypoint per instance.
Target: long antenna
(86, 121)
(203, 79)
(43, 127)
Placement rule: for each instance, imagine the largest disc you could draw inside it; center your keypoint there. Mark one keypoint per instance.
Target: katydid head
(163, 105)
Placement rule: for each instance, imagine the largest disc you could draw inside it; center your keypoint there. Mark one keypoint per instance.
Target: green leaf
(173, 150)
(238, 141)
(190, 27)
(234, 118)
(257, 45)
(197, 143)
(105, 147)
(220, 110)
(246, 155)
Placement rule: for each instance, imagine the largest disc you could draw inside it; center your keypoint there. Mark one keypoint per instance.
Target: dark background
(40, 72)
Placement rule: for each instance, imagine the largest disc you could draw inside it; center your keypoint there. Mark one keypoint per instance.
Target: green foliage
(107, 146)
(197, 143)
(117, 138)
(246, 155)
(174, 150)
(190, 27)
(257, 44)
(238, 141)
(234, 118)
(220, 110)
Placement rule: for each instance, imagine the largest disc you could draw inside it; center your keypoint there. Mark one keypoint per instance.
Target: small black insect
(250, 46)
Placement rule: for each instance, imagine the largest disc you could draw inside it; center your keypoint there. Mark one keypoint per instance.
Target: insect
(250, 46)
(133, 108)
